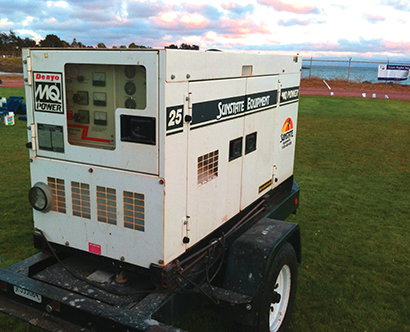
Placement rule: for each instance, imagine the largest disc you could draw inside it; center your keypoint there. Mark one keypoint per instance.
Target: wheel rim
(277, 311)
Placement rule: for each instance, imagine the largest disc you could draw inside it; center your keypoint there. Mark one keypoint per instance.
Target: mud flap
(249, 260)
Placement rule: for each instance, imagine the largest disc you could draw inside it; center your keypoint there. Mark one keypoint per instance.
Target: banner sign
(393, 72)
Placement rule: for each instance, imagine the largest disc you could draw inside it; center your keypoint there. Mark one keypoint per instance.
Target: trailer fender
(250, 259)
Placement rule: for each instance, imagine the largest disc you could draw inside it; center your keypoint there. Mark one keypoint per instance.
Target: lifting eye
(40, 197)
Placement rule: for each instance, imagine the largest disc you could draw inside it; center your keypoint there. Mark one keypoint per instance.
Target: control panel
(93, 93)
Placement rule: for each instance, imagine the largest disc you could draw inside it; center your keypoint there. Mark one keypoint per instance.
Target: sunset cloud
(194, 20)
(397, 4)
(4, 22)
(283, 6)
(373, 18)
(375, 27)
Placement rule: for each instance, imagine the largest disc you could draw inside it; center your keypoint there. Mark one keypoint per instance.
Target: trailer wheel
(278, 292)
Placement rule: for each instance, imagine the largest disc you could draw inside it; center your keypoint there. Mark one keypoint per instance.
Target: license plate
(27, 294)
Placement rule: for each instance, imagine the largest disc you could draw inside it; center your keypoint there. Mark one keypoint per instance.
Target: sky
(365, 29)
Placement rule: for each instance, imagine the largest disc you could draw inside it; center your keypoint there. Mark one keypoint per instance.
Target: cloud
(23, 33)
(208, 11)
(373, 18)
(60, 4)
(194, 20)
(236, 10)
(283, 6)
(241, 27)
(4, 22)
(402, 5)
(295, 22)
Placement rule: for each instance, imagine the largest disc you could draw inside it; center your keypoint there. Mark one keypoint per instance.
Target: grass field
(352, 165)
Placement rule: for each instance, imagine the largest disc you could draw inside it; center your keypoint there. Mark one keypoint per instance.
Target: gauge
(131, 103)
(100, 99)
(130, 88)
(130, 71)
(72, 71)
(99, 79)
(100, 118)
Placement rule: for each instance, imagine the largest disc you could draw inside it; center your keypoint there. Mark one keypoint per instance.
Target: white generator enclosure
(136, 155)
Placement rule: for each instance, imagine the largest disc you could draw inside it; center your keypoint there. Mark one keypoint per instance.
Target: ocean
(331, 71)
(358, 73)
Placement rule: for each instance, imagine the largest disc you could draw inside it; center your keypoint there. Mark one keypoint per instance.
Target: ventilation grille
(207, 167)
(58, 191)
(106, 205)
(134, 211)
(80, 194)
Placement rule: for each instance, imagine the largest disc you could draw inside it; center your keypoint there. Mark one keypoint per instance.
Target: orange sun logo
(288, 125)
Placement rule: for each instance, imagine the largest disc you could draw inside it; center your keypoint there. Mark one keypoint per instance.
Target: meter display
(93, 93)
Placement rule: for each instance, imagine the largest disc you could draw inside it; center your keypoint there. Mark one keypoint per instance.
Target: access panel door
(97, 107)
(214, 165)
(260, 135)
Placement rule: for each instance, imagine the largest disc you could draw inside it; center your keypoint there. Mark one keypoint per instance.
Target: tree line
(10, 42)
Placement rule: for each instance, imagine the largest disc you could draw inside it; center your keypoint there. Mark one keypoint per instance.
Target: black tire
(284, 263)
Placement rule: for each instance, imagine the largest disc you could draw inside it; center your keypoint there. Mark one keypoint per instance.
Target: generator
(138, 155)
(166, 163)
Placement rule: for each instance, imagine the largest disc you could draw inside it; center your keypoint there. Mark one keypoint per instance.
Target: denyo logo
(48, 92)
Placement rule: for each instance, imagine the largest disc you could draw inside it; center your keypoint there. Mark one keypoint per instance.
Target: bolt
(67, 243)
(90, 170)
(122, 258)
(188, 76)
(172, 77)
(160, 262)
(248, 307)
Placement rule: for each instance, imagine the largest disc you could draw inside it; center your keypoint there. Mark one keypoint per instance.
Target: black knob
(188, 118)
(29, 145)
(185, 240)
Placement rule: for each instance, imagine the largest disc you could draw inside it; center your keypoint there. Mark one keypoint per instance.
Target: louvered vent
(58, 191)
(80, 194)
(106, 205)
(208, 167)
(134, 211)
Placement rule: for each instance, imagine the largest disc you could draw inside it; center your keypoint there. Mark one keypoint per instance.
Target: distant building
(74, 44)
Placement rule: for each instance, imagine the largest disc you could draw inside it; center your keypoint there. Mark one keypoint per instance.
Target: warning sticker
(50, 137)
(94, 248)
(48, 92)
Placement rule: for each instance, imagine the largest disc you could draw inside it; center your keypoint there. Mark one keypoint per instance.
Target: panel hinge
(29, 79)
(32, 128)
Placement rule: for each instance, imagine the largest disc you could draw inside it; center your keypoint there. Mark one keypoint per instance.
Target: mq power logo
(48, 92)
(286, 137)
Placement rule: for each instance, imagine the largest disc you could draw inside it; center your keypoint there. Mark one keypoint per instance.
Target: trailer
(158, 175)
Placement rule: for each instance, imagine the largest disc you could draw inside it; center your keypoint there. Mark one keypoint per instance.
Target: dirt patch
(12, 81)
(317, 83)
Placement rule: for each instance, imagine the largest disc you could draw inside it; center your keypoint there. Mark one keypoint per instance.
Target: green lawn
(352, 165)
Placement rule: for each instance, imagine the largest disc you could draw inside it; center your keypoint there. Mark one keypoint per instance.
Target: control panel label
(48, 92)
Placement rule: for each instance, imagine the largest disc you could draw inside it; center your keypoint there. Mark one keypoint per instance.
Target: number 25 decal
(174, 117)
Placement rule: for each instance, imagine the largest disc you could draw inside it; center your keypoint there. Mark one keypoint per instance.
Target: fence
(349, 69)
